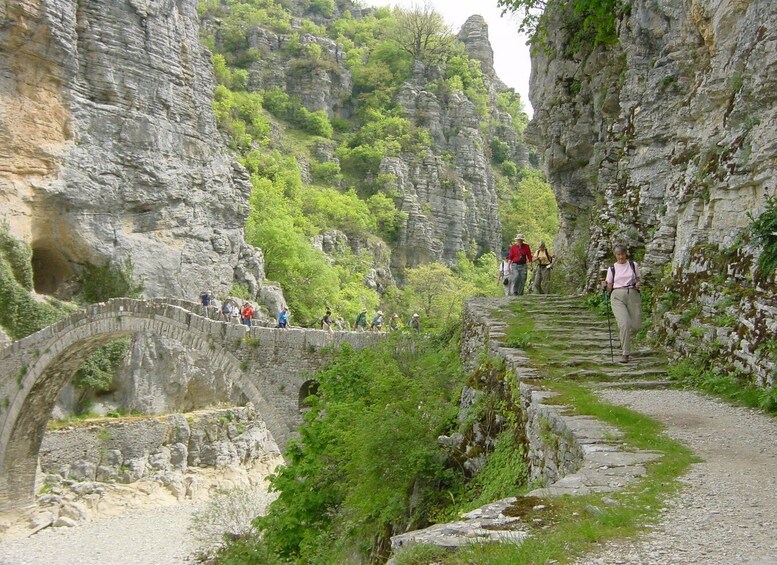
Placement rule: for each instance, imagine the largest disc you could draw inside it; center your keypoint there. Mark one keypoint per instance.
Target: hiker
(361, 321)
(283, 318)
(520, 257)
(234, 313)
(326, 321)
(622, 283)
(225, 311)
(504, 276)
(377, 321)
(247, 314)
(206, 298)
(414, 323)
(543, 263)
(395, 323)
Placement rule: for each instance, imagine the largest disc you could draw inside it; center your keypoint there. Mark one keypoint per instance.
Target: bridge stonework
(271, 366)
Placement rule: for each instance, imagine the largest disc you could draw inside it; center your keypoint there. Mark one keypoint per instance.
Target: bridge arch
(34, 370)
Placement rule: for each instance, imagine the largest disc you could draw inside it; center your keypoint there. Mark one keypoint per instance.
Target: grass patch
(731, 386)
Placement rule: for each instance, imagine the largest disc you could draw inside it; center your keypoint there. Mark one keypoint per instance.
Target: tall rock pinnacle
(474, 35)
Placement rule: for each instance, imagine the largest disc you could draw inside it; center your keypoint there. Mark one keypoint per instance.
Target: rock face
(449, 194)
(665, 141)
(133, 450)
(284, 65)
(110, 149)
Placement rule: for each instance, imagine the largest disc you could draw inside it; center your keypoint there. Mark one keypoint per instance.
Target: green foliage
(464, 74)
(510, 102)
(701, 372)
(240, 115)
(509, 169)
(764, 233)
(422, 33)
(235, 18)
(530, 209)
(500, 151)
(96, 373)
(323, 7)
(290, 108)
(588, 22)
(109, 280)
(505, 473)
(326, 173)
(367, 460)
(20, 314)
(382, 134)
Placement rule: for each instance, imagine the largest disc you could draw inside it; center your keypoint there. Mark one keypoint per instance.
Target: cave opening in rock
(50, 268)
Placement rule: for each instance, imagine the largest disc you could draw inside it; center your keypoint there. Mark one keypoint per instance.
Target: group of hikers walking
(514, 270)
(231, 311)
(622, 283)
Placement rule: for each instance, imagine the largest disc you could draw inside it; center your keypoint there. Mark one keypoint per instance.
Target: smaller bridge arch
(34, 370)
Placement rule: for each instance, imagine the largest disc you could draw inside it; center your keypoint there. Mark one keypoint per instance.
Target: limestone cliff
(109, 149)
(665, 141)
(449, 194)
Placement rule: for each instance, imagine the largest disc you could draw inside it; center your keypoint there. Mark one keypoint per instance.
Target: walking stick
(609, 326)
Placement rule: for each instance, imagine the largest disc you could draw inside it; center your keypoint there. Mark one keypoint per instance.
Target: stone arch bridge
(271, 366)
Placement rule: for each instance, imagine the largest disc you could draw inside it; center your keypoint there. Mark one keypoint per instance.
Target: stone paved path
(726, 514)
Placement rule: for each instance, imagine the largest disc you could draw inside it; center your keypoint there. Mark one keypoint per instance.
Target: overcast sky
(511, 55)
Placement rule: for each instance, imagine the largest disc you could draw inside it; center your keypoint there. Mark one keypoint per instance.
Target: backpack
(633, 280)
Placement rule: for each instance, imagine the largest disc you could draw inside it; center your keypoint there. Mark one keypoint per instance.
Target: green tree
(423, 33)
(529, 208)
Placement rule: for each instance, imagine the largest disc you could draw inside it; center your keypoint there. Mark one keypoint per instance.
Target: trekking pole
(609, 325)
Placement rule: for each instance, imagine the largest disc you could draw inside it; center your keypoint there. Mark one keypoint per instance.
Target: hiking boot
(623, 359)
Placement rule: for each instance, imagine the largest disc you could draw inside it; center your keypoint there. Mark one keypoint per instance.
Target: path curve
(726, 514)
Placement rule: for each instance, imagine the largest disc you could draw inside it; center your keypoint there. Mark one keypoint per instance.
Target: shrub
(327, 173)
(509, 169)
(764, 232)
(109, 280)
(500, 151)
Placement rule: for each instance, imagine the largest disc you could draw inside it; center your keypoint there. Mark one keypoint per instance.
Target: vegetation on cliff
(314, 174)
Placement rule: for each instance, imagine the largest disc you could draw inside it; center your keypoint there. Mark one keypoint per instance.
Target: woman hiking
(622, 283)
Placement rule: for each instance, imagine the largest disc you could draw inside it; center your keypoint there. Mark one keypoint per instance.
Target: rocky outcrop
(127, 451)
(303, 65)
(110, 150)
(665, 141)
(449, 193)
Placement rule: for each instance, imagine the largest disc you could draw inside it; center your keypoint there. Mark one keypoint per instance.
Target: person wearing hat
(520, 257)
(377, 321)
(395, 323)
(361, 321)
(414, 324)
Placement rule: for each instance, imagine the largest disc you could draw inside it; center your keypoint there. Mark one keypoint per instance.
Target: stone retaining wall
(163, 448)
